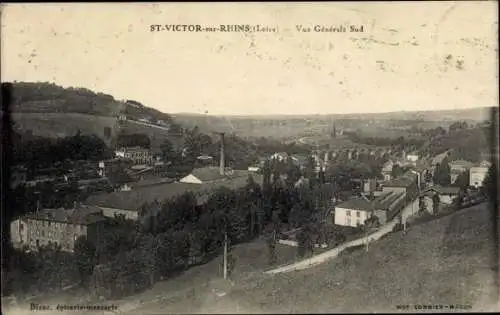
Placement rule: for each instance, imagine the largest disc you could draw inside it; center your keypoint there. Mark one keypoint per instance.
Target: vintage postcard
(167, 158)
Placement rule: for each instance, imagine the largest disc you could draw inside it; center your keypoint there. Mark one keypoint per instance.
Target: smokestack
(221, 166)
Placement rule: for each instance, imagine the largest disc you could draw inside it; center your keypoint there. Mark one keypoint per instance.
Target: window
(358, 214)
(21, 227)
(348, 213)
(358, 223)
(348, 221)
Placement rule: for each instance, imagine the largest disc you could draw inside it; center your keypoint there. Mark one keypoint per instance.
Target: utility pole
(367, 240)
(225, 255)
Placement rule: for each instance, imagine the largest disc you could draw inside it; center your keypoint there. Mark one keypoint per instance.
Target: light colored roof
(207, 174)
(448, 190)
(439, 158)
(461, 163)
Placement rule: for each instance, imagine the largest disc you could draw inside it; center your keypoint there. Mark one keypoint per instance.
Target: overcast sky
(410, 56)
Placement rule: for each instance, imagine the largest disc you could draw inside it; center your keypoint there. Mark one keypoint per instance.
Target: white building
(478, 173)
(353, 212)
(413, 156)
(138, 155)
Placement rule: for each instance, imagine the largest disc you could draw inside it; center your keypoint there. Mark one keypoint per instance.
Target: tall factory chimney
(221, 165)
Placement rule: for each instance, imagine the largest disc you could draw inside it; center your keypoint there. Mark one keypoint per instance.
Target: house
(58, 226)
(408, 184)
(145, 183)
(122, 117)
(369, 186)
(353, 212)
(477, 174)
(280, 156)
(129, 203)
(253, 168)
(300, 160)
(413, 156)
(387, 170)
(137, 155)
(118, 178)
(106, 166)
(388, 205)
(162, 123)
(446, 194)
(460, 166)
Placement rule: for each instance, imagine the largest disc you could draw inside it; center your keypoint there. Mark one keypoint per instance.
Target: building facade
(59, 227)
(477, 174)
(137, 155)
(353, 212)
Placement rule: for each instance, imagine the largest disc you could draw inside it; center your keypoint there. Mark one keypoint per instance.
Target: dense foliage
(42, 152)
(465, 144)
(42, 97)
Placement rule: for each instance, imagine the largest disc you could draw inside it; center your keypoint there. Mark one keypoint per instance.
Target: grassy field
(67, 124)
(447, 261)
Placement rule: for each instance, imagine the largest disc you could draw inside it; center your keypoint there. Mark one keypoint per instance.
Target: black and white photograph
(249, 157)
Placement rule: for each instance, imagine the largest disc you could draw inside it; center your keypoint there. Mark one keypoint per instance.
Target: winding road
(409, 211)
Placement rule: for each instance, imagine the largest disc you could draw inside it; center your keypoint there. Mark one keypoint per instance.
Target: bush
(397, 227)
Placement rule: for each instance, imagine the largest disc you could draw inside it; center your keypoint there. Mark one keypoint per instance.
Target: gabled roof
(384, 201)
(134, 199)
(448, 190)
(460, 163)
(207, 174)
(82, 215)
(357, 203)
(403, 181)
(439, 158)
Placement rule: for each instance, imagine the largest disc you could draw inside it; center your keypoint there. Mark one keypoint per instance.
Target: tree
(271, 245)
(372, 222)
(442, 174)
(168, 153)
(428, 176)
(462, 180)
(435, 204)
(422, 207)
(85, 254)
(396, 171)
(459, 125)
(489, 186)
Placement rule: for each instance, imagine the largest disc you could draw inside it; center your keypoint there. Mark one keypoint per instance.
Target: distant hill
(290, 126)
(45, 109)
(28, 97)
